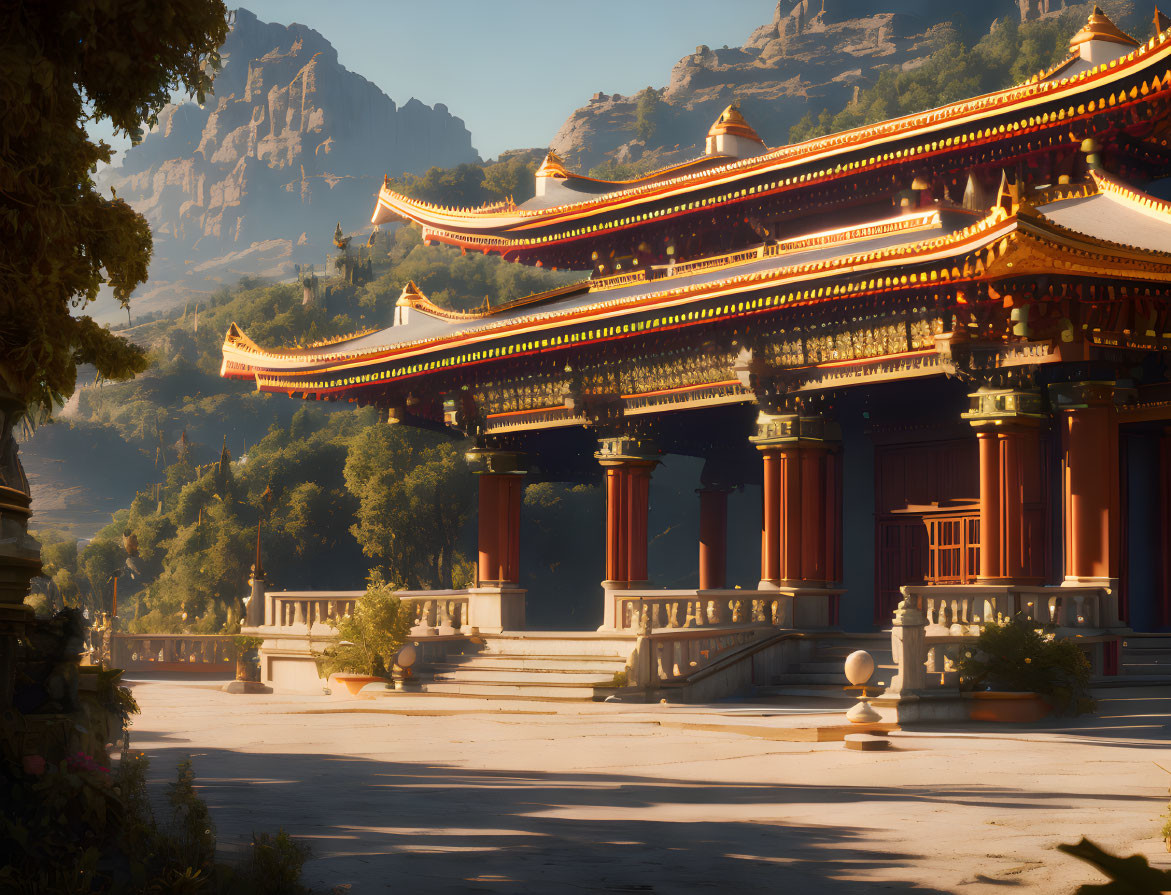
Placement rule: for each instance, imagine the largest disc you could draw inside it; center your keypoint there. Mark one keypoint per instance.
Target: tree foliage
(63, 65)
(1007, 55)
(367, 641)
(471, 184)
(646, 111)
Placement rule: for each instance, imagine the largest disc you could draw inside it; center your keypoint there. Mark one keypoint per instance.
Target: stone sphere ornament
(859, 667)
(406, 656)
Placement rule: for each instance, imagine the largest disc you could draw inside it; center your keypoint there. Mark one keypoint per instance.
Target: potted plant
(1017, 672)
(366, 642)
(247, 666)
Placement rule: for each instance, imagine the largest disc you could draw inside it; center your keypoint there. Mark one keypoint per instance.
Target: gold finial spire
(1099, 27)
(732, 122)
(410, 294)
(552, 166)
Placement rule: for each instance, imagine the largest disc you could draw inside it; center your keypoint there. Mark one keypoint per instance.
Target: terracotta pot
(1013, 708)
(355, 682)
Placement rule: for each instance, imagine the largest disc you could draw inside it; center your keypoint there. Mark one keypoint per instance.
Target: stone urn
(1007, 707)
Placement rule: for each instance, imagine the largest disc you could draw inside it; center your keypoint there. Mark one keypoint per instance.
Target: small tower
(1101, 40)
(732, 136)
(255, 606)
(551, 174)
(409, 298)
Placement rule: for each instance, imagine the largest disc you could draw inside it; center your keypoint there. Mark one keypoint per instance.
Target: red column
(802, 519)
(616, 562)
(770, 528)
(1090, 489)
(990, 566)
(627, 508)
(499, 528)
(713, 538)
(1165, 526)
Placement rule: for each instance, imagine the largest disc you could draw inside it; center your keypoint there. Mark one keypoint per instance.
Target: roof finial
(1162, 23)
(410, 294)
(1099, 27)
(552, 166)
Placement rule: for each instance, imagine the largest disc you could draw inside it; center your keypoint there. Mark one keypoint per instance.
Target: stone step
(581, 677)
(1147, 653)
(508, 690)
(820, 691)
(1149, 668)
(557, 643)
(506, 662)
(801, 677)
(1146, 641)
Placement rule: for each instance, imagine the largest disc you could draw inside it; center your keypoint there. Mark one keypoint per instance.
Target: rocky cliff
(814, 54)
(255, 179)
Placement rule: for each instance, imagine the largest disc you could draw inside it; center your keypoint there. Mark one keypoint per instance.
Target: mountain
(812, 55)
(255, 179)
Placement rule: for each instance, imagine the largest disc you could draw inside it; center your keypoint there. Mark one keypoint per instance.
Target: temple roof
(1118, 229)
(578, 214)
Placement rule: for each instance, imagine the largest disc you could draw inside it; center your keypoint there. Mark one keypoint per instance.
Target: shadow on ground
(418, 828)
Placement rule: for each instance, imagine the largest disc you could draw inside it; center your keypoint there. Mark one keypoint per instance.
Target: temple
(936, 345)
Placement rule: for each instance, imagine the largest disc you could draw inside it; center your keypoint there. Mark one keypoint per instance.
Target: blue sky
(513, 70)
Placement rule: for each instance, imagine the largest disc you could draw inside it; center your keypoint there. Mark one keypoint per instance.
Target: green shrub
(1017, 656)
(275, 862)
(367, 641)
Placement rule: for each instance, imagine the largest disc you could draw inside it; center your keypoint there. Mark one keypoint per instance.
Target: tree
(413, 501)
(646, 110)
(63, 65)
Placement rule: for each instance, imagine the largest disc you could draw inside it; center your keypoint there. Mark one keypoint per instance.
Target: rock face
(812, 55)
(290, 143)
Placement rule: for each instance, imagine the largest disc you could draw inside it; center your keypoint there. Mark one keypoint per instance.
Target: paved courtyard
(426, 794)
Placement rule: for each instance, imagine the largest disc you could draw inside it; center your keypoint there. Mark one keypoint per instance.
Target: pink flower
(34, 764)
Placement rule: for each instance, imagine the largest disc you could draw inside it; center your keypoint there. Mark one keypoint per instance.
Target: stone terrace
(431, 794)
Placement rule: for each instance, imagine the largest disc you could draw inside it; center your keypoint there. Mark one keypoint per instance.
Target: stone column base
(494, 609)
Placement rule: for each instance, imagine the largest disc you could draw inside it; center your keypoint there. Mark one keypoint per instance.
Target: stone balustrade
(964, 608)
(672, 654)
(194, 653)
(302, 610)
(437, 613)
(785, 607)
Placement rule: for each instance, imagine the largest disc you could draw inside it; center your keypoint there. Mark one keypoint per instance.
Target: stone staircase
(1145, 656)
(563, 665)
(820, 674)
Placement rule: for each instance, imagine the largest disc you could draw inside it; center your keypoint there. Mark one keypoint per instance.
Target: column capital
(486, 461)
(617, 450)
(1000, 406)
(781, 429)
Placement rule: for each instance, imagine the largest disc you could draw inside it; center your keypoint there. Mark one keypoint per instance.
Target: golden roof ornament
(732, 122)
(552, 166)
(1099, 27)
(410, 295)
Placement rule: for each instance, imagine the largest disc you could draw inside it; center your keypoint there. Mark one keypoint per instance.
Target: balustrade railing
(436, 613)
(196, 653)
(432, 612)
(935, 624)
(662, 656)
(694, 609)
(965, 608)
(304, 609)
(782, 608)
